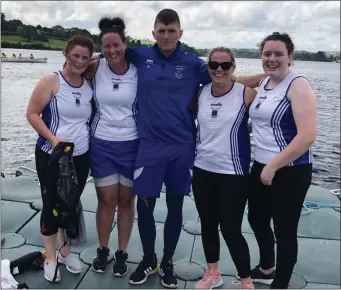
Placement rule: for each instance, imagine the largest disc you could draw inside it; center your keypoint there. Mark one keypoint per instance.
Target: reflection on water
(18, 138)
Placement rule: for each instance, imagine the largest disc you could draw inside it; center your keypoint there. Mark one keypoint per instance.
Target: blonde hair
(230, 53)
(223, 49)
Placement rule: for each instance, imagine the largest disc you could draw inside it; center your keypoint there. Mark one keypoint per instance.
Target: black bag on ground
(31, 261)
(63, 190)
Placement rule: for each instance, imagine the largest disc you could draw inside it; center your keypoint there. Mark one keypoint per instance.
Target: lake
(18, 138)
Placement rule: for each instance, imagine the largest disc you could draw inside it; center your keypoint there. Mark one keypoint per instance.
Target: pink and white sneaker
(212, 279)
(246, 283)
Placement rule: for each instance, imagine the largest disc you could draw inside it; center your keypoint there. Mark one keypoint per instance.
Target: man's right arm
(131, 53)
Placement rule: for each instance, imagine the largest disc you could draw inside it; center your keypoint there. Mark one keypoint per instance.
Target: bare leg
(212, 266)
(50, 247)
(107, 202)
(125, 216)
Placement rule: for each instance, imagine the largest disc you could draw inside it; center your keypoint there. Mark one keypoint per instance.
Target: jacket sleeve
(203, 72)
(133, 55)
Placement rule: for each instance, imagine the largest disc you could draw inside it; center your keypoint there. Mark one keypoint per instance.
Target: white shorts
(113, 179)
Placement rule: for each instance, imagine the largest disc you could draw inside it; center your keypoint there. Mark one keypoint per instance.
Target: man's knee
(145, 204)
(175, 202)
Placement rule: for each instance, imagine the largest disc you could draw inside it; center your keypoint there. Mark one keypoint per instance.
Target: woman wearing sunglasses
(221, 167)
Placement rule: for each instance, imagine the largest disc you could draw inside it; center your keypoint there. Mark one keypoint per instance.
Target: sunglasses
(215, 65)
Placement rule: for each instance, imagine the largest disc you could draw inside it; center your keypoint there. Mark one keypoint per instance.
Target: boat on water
(25, 60)
(318, 264)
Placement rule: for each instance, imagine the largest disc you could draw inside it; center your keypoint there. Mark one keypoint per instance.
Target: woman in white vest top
(114, 142)
(284, 118)
(221, 168)
(60, 109)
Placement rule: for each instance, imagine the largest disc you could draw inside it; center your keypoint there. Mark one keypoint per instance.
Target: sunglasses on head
(215, 65)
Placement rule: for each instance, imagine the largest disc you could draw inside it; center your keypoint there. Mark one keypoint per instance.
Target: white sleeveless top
(115, 97)
(273, 124)
(67, 116)
(223, 140)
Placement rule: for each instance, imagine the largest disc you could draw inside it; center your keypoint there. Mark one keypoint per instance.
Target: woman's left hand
(267, 174)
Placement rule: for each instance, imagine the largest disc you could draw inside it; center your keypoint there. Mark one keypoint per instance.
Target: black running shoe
(147, 266)
(120, 267)
(166, 271)
(259, 277)
(99, 264)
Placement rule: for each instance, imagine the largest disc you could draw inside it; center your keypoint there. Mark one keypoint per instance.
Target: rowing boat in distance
(25, 60)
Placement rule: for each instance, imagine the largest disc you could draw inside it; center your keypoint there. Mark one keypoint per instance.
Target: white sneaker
(73, 265)
(49, 270)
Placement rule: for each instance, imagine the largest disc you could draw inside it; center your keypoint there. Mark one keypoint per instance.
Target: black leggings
(282, 201)
(173, 224)
(221, 199)
(48, 225)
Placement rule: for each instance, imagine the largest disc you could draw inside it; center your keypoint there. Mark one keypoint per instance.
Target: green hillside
(146, 42)
(53, 43)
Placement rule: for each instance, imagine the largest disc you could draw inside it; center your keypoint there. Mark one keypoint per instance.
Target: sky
(313, 25)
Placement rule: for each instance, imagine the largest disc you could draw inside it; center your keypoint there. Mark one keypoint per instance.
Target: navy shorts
(112, 157)
(157, 163)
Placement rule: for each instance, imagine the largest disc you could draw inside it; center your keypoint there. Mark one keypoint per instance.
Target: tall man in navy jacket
(168, 79)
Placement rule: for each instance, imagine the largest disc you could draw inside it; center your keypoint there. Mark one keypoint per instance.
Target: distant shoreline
(41, 47)
(30, 46)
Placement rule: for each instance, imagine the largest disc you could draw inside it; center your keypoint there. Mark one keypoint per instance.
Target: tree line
(298, 55)
(42, 34)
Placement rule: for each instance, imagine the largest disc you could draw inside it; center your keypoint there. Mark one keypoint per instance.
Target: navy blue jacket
(166, 88)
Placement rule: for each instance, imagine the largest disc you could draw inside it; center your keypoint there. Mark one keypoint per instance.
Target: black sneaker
(166, 271)
(99, 264)
(120, 267)
(259, 277)
(147, 266)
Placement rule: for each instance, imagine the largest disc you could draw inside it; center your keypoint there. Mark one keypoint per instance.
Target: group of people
(4, 56)
(141, 132)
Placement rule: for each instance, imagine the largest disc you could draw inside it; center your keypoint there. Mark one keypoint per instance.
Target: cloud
(313, 26)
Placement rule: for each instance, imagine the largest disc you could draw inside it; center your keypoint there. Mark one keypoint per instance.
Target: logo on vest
(179, 71)
(77, 96)
(215, 108)
(260, 101)
(149, 62)
(116, 83)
